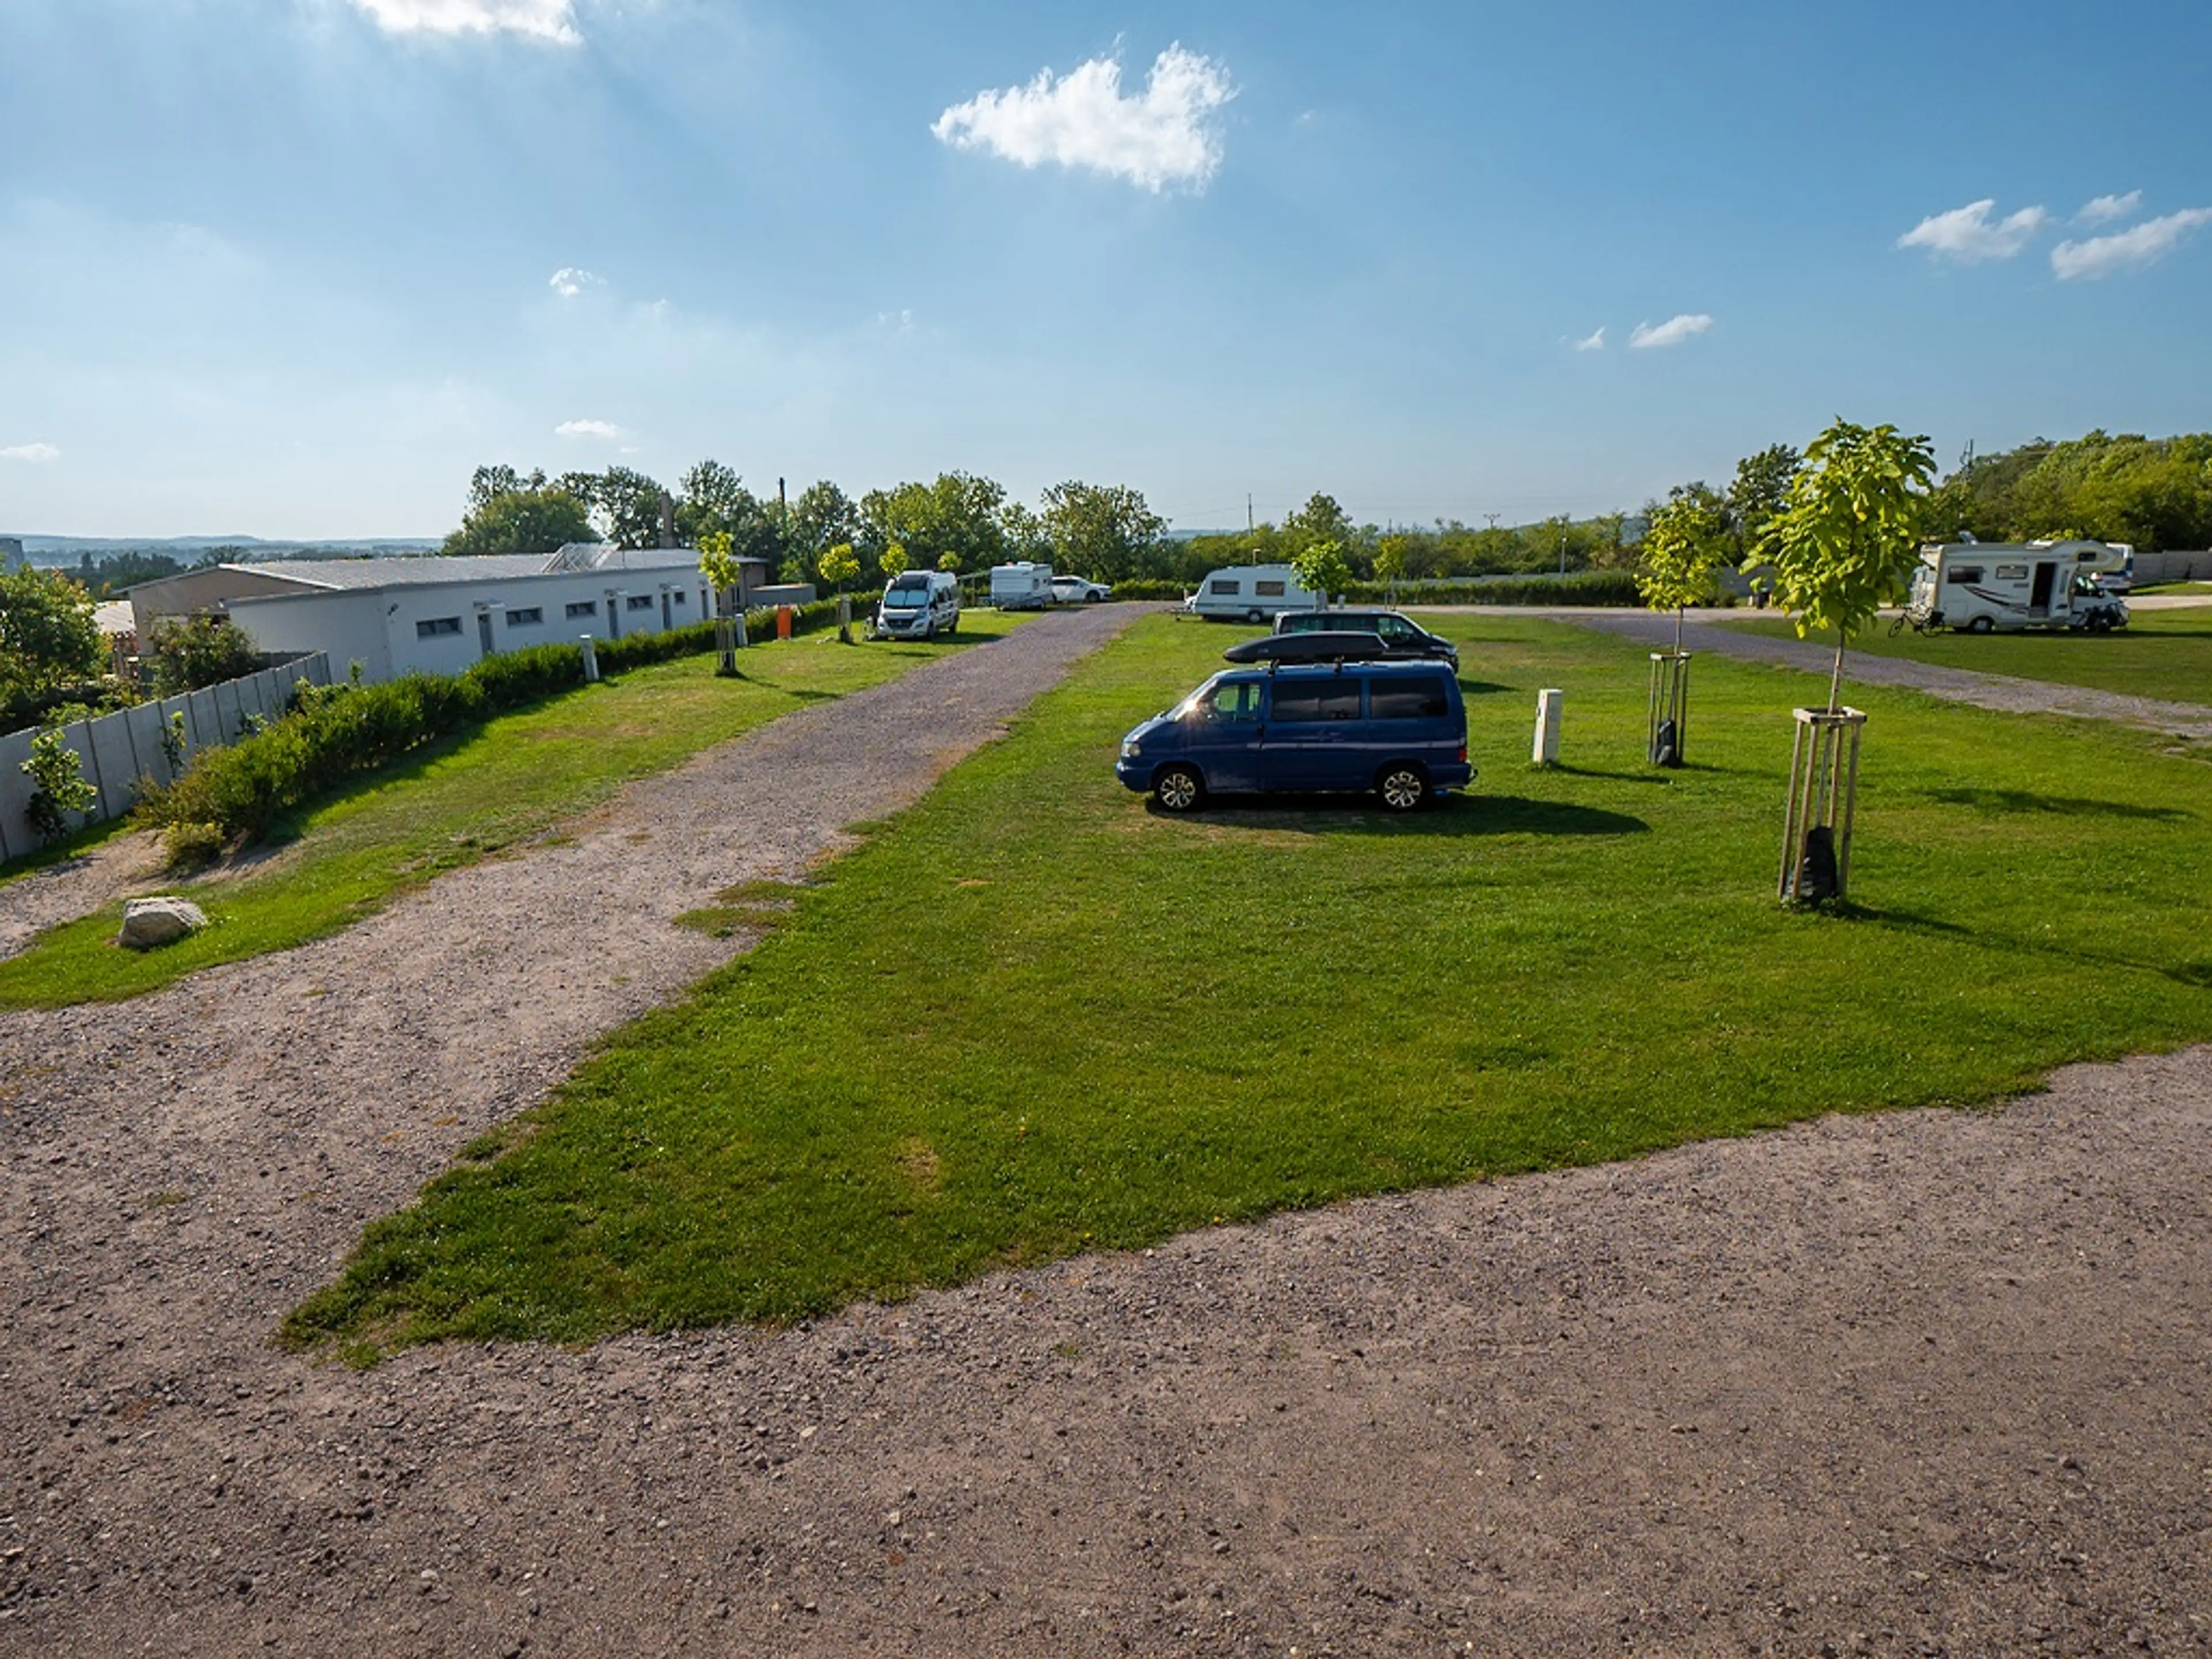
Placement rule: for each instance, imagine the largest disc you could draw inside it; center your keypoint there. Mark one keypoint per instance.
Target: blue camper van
(1398, 729)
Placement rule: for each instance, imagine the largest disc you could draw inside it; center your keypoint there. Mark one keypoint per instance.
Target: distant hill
(71, 549)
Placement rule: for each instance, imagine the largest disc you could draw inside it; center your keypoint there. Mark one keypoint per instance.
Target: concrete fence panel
(113, 770)
(114, 751)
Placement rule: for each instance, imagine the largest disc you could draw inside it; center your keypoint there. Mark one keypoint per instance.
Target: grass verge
(452, 803)
(1032, 1017)
(2161, 653)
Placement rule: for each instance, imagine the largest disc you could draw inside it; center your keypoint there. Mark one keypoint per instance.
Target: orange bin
(783, 622)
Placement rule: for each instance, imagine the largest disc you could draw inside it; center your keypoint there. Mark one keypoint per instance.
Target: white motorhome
(1250, 592)
(1022, 586)
(1979, 587)
(919, 604)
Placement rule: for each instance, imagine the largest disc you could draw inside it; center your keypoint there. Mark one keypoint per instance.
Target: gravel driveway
(1918, 1383)
(2007, 693)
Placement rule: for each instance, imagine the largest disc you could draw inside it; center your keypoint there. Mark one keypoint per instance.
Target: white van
(1978, 588)
(1022, 586)
(1250, 592)
(919, 604)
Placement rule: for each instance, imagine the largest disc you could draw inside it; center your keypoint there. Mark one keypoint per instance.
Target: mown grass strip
(2161, 653)
(453, 803)
(1032, 1017)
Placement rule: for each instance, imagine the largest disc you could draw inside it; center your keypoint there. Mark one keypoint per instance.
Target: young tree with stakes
(1686, 542)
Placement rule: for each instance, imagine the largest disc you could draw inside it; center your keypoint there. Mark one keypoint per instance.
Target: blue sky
(293, 268)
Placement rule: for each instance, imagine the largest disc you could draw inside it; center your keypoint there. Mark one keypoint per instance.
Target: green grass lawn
(2161, 653)
(456, 802)
(1033, 1016)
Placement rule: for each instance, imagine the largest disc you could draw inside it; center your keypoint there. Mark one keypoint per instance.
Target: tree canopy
(1689, 538)
(2151, 493)
(1104, 531)
(1848, 536)
(48, 640)
(510, 513)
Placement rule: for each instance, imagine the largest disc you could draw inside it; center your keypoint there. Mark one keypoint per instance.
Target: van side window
(2012, 572)
(1239, 701)
(1962, 574)
(1409, 700)
(1332, 699)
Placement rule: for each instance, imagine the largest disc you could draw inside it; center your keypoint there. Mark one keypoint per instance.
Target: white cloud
(1160, 136)
(542, 20)
(35, 454)
(571, 279)
(588, 429)
(2126, 250)
(1673, 332)
(1591, 342)
(902, 319)
(1967, 235)
(2106, 209)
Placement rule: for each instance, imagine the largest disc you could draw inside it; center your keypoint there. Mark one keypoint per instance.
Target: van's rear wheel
(1404, 788)
(1982, 625)
(1178, 788)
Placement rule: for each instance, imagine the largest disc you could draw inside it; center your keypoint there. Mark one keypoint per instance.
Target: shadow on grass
(2069, 807)
(1483, 688)
(2195, 975)
(1362, 815)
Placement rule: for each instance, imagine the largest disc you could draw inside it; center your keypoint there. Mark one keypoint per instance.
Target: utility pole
(1563, 547)
(1251, 535)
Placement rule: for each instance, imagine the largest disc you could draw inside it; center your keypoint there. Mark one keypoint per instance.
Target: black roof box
(1334, 646)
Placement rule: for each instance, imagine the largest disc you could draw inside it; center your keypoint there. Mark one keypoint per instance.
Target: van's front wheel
(1404, 788)
(1177, 789)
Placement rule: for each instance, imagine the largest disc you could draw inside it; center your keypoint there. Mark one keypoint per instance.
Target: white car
(1075, 590)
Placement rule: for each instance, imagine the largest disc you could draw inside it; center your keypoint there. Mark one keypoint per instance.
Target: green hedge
(1577, 588)
(337, 733)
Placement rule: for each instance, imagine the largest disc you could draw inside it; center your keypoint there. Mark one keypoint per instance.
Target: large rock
(147, 922)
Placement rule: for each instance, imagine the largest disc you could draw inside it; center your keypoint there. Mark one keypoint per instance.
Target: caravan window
(1221, 585)
(1962, 574)
(2012, 572)
(1267, 590)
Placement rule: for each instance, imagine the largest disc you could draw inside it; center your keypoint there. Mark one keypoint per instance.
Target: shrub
(191, 846)
(57, 786)
(1577, 588)
(192, 651)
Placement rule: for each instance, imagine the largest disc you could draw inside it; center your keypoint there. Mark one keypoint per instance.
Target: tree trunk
(1836, 679)
(1678, 630)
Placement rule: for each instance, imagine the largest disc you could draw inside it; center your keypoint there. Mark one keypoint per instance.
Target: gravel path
(2003, 692)
(1918, 1383)
(77, 886)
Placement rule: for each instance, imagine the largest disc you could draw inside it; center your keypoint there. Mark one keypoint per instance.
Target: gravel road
(1927, 1382)
(2007, 693)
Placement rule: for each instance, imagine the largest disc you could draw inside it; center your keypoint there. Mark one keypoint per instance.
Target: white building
(440, 615)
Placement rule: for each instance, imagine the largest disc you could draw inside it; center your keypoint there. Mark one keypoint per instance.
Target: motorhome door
(2039, 602)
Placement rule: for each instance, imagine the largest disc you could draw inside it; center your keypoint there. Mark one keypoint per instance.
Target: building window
(640, 602)
(529, 616)
(430, 629)
(679, 596)
(582, 608)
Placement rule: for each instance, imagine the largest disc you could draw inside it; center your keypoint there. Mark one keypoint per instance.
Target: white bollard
(1546, 751)
(591, 661)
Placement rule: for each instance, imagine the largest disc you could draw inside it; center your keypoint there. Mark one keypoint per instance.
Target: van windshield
(904, 596)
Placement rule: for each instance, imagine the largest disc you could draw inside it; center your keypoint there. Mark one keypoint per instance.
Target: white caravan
(1024, 586)
(919, 604)
(1979, 587)
(1250, 592)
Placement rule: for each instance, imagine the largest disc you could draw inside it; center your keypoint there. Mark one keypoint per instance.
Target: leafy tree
(192, 651)
(1762, 484)
(718, 563)
(626, 505)
(840, 565)
(48, 638)
(1321, 519)
(949, 564)
(57, 786)
(959, 512)
(715, 500)
(1105, 531)
(532, 517)
(1687, 539)
(1323, 569)
(1026, 538)
(891, 561)
(822, 517)
(1848, 536)
(1390, 561)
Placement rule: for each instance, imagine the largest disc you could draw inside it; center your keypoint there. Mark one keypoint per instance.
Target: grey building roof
(372, 576)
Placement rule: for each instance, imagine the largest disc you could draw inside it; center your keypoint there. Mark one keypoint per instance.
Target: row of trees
(958, 522)
(2152, 493)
